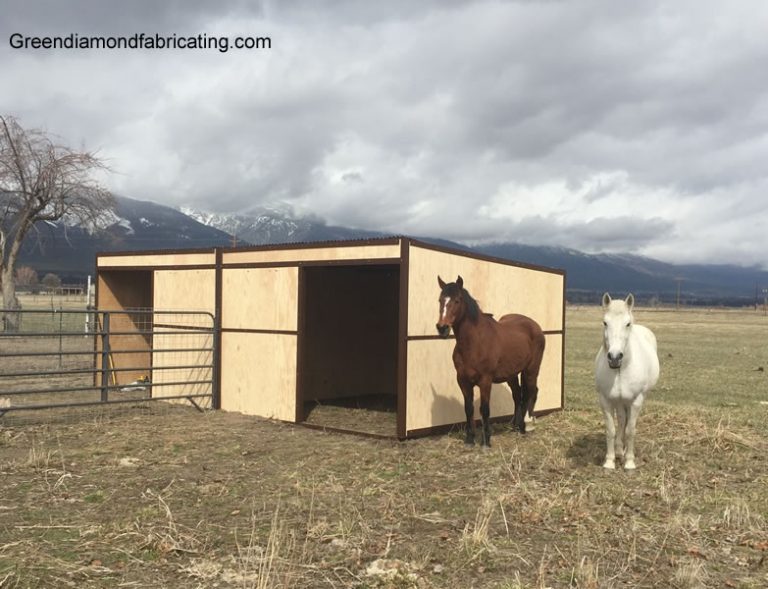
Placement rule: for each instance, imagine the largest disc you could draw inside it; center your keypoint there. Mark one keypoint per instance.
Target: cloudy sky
(597, 125)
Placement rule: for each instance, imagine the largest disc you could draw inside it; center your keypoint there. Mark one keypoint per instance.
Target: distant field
(52, 321)
(47, 301)
(173, 498)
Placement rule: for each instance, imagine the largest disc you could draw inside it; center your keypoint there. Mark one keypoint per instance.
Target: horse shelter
(340, 335)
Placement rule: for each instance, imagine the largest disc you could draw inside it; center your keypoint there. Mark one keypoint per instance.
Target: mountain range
(69, 250)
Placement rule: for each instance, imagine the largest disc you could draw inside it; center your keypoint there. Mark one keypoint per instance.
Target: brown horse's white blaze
(447, 316)
(488, 351)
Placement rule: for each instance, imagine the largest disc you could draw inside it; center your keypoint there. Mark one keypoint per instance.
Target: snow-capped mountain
(69, 250)
(275, 225)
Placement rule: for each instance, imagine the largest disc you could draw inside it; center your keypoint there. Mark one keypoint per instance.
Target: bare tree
(27, 276)
(40, 181)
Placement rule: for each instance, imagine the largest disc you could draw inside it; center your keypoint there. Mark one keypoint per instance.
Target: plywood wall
(434, 397)
(259, 374)
(258, 363)
(260, 298)
(310, 254)
(185, 290)
(156, 260)
(499, 288)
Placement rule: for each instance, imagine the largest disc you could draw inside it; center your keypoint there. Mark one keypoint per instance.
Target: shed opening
(125, 293)
(348, 347)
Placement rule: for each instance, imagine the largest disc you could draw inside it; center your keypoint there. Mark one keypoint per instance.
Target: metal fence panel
(70, 358)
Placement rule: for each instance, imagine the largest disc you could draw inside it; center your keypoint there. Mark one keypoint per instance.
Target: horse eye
(629, 323)
(605, 323)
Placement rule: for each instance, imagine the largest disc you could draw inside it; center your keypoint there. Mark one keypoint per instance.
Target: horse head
(452, 305)
(617, 325)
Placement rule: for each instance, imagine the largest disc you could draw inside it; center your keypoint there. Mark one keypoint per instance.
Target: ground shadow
(447, 411)
(587, 449)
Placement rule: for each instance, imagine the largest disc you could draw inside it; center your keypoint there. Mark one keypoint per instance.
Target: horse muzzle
(614, 361)
(443, 330)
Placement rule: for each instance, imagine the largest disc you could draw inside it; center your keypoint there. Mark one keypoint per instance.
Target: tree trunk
(10, 321)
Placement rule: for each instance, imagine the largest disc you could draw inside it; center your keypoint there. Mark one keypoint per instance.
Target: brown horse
(489, 351)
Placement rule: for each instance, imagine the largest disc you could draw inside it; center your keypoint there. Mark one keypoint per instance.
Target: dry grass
(173, 498)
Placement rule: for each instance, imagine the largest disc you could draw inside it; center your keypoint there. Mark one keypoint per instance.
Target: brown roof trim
(199, 250)
(260, 331)
(392, 240)
(314, 263)
(151, 268)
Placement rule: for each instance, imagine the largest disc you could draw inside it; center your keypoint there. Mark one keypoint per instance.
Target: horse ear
(606, 300)
(630, 301)
(460, 282)
(440, 282)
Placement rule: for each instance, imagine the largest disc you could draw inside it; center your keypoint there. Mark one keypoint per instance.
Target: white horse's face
(617, 325)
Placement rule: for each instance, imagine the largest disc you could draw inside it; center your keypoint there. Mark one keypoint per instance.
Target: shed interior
(128, 290)
(349, 347)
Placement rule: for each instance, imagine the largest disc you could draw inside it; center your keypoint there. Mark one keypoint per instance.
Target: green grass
(709, 358)
(51, 313)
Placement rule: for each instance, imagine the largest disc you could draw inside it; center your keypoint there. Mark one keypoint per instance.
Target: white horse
(626, 369)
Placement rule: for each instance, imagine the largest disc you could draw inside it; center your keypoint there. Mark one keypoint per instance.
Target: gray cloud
(599, 126)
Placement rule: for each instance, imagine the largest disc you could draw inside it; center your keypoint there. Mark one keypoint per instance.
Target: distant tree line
(27, 279)
(584, 297)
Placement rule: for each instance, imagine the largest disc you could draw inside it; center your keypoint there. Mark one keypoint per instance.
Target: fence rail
(74, 358)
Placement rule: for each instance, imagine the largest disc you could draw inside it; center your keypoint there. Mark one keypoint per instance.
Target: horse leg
(517, 397)
(485, 410)
(621, 429)
(610, 434)
(530, 393)
(467, 389)
(634, 413)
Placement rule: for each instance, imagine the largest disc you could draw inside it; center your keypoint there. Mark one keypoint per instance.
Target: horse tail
(530, 375)
(538, 344)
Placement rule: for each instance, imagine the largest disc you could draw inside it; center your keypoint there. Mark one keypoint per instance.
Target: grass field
(44, 313)
(168, 497)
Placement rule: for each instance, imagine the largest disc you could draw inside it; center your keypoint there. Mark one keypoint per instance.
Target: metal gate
(58, 358)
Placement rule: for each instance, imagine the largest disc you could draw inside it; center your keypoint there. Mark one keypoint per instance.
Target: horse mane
(473, 308)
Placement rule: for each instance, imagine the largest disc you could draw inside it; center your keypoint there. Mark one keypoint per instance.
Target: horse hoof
(610, 464)
(630, 465)
(530, 423)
